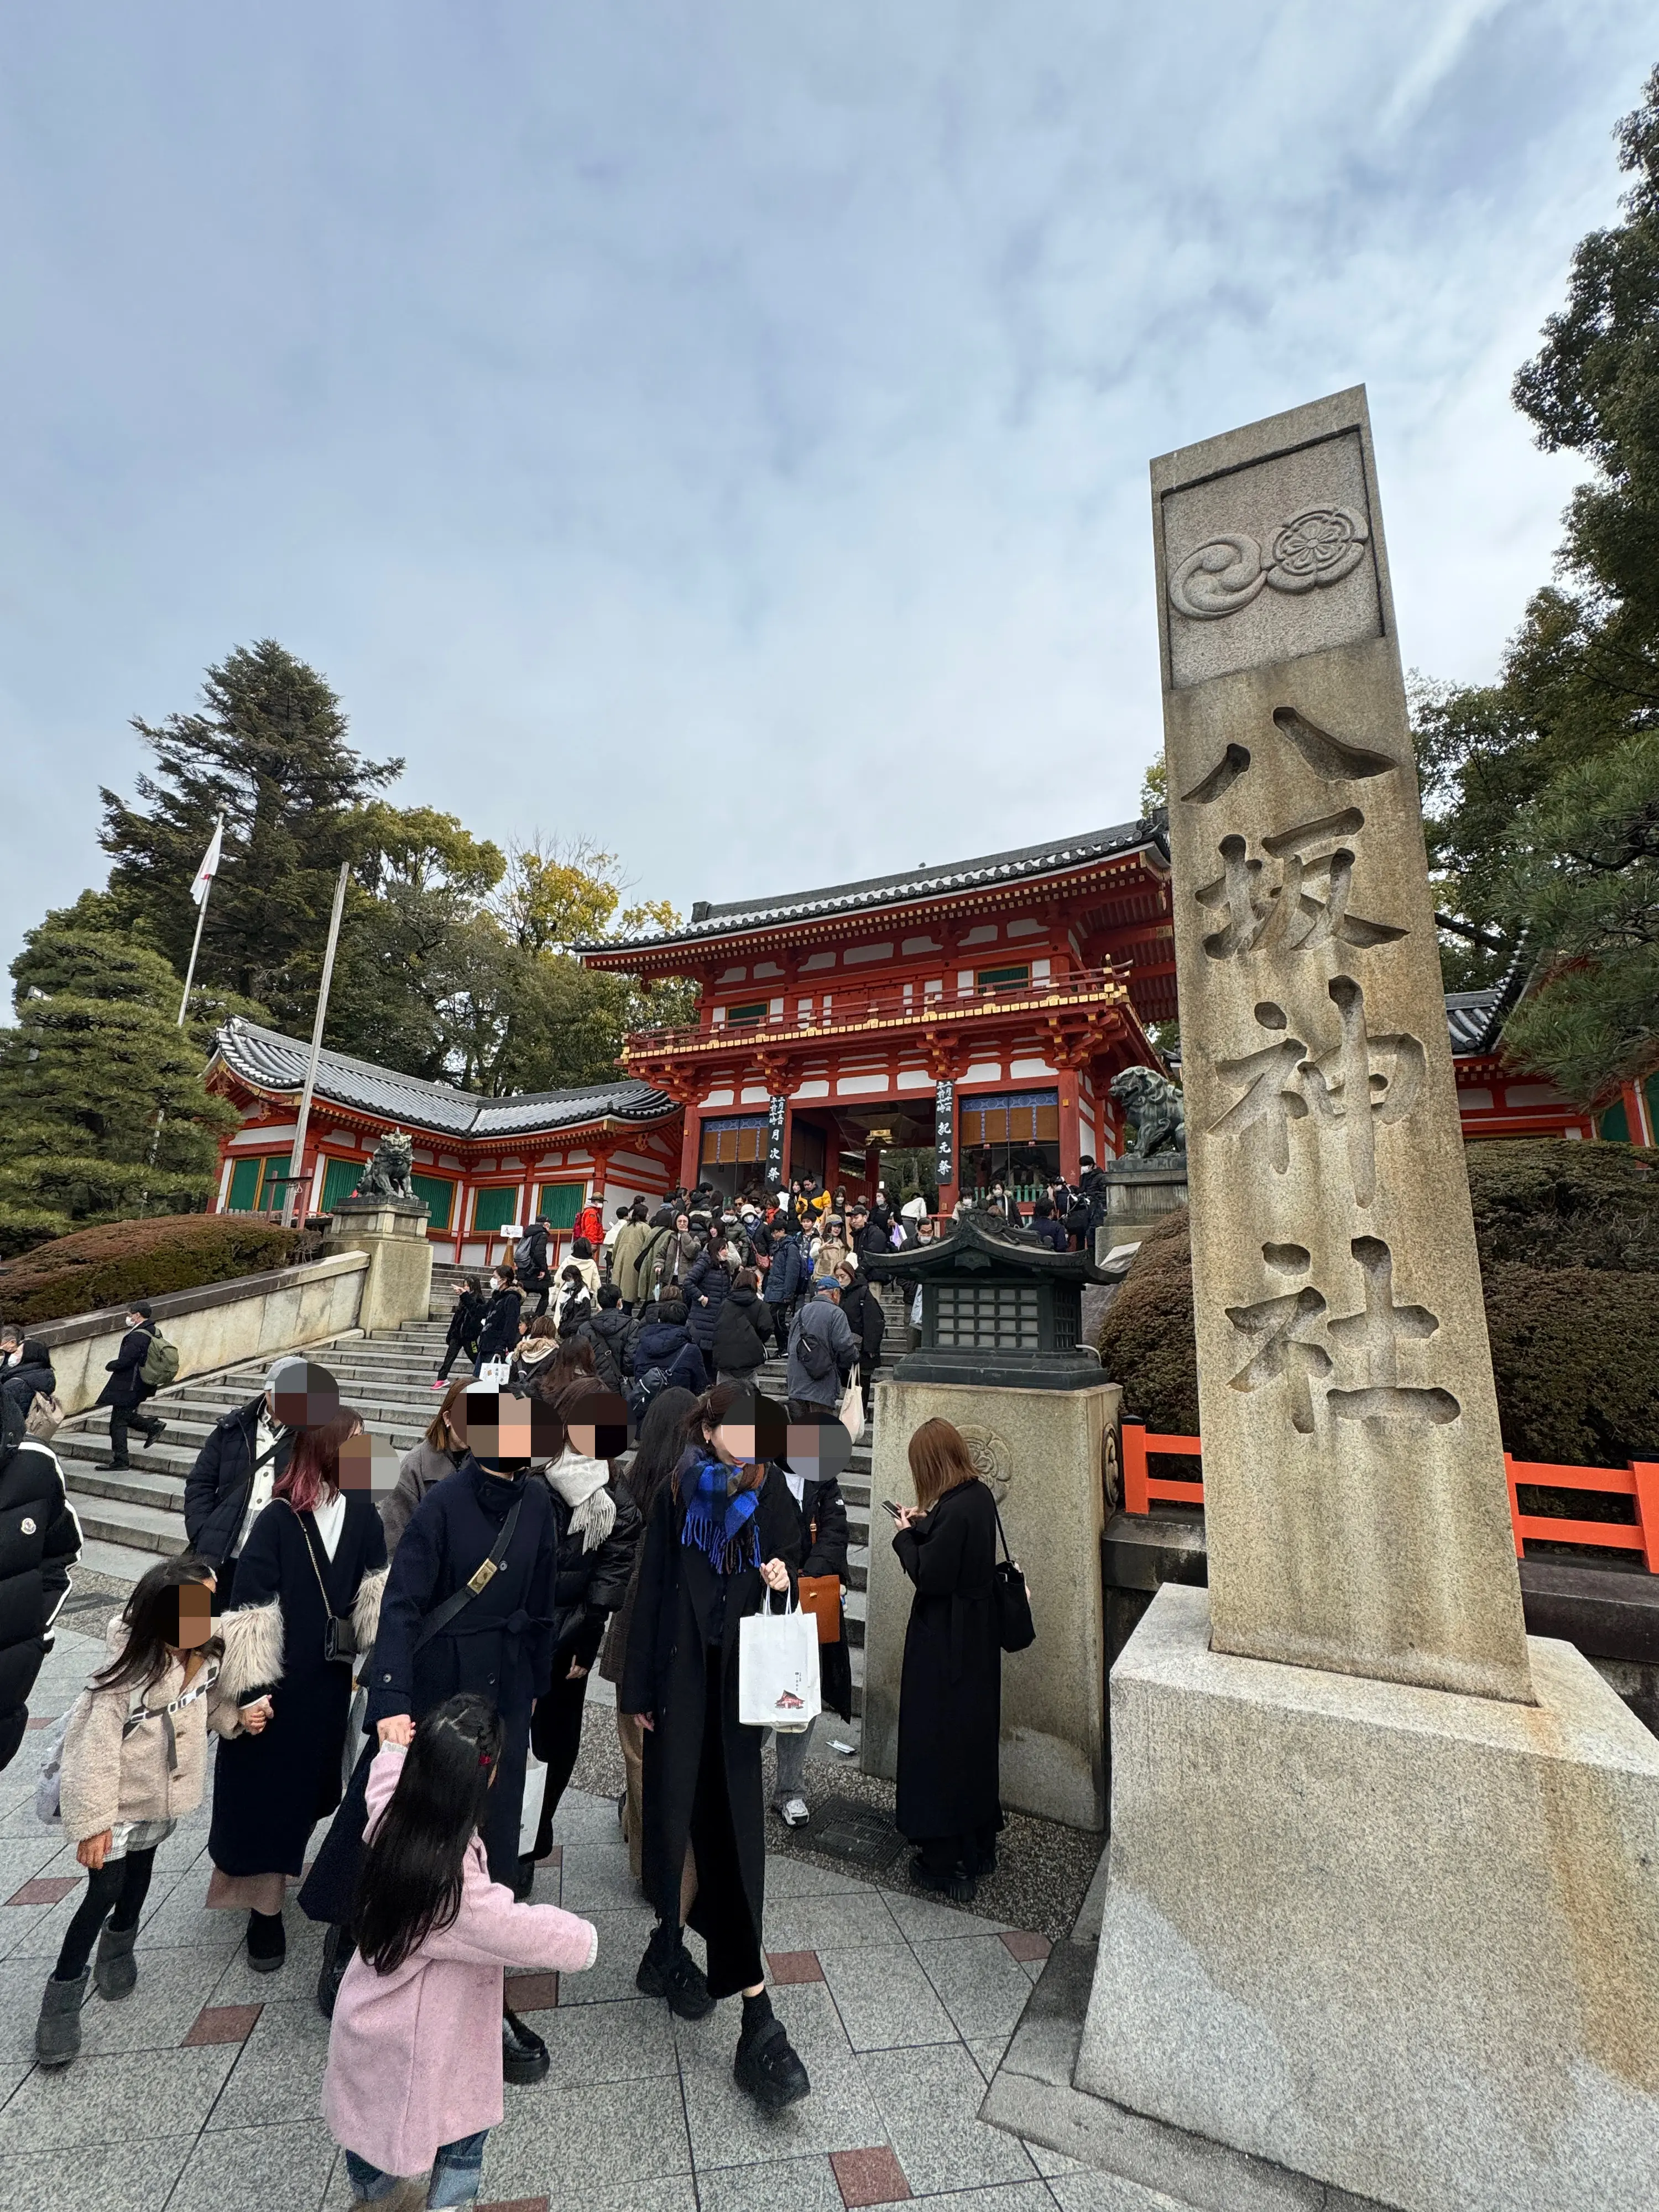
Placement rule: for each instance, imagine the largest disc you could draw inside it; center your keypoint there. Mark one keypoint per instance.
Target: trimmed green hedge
(1569, 1241)
(119, 1259)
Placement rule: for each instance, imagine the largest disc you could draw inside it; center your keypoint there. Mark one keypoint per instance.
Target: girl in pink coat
(414, 2079)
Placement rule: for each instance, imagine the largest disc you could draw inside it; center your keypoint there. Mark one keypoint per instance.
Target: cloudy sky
(720, 427)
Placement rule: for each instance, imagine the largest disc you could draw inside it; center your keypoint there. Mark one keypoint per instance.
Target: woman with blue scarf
(722, 1533)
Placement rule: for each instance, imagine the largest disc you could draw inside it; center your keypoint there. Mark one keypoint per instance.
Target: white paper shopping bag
(778, 1670)
(529, 1816)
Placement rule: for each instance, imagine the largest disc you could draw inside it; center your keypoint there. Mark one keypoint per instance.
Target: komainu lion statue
(387, 1175)
(1154, 1105)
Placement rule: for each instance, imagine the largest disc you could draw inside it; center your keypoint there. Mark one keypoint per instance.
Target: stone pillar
(1382, 1912)
(1042, 1452)
(393, 1231)
(1356, 1500)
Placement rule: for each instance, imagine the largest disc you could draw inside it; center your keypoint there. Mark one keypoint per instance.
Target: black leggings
(556, 1737)
(116, 1891)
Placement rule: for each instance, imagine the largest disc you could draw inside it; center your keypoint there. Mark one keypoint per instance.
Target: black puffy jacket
(218, 1487)
(711, 1279)
(33, 1372)
(738, 1347)
(39, 1543)
(611, 1332)
(589, 1585)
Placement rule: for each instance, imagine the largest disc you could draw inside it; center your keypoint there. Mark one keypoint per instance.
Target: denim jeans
(792, 1749)
(456, 2173)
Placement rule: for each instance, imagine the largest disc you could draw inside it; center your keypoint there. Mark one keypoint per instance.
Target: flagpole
(296, 1162)
(196, 943)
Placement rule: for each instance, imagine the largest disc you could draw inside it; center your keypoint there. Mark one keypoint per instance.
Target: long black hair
(151, 1618)
(409, 1883)
(663, 1434)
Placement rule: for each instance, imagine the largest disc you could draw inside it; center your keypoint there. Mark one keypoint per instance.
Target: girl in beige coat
(134, 1750)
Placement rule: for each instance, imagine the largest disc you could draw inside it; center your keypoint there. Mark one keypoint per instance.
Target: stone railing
(250, 1317)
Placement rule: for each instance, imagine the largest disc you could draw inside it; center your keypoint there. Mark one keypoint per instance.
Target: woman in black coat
(317, 1551)
(740, 1338)
(596, 1527)
(950, 1690)
(706, 1283)
(39, 1543)
(498, 1332)
(723, 1532)
(465, 1323)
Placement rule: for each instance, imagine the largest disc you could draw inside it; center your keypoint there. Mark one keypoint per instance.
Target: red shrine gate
(981, 1010)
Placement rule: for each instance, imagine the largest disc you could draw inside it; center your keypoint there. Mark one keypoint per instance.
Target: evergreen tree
(94, 1058)
(268, 750)
(1541, 790)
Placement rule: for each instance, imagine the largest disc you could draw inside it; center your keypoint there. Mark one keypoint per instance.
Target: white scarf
(581, 1484)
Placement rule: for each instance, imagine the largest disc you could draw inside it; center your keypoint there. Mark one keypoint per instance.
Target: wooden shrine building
(980, 1010)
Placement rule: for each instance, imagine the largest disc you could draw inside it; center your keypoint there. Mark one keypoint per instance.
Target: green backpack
(160, 1363)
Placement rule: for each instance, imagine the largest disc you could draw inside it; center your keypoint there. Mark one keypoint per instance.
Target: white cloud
(724, 429)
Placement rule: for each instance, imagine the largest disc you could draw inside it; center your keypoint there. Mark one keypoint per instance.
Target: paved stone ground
(200, 2093)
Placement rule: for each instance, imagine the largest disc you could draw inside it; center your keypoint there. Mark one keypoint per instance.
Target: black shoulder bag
(477, 1583)
(339, 1636)
(1015, 1627)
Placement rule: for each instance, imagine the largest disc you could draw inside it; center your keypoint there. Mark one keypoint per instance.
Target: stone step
(139, 1527)
(123, 1564)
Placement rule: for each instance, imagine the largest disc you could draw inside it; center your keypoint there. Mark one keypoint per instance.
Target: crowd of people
(406, 1660)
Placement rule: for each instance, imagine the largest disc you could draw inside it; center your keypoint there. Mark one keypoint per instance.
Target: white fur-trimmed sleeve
(253, 1636)
(366, 1609)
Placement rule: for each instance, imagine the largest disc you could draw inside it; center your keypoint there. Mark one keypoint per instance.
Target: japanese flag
(209, 867)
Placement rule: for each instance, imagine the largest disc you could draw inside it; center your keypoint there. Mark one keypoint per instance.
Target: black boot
(668, 1971)
(116, 1970)
(337, 1947)
(267, 1941)
(523, 2055)
(766, 2065)
(58, 2032)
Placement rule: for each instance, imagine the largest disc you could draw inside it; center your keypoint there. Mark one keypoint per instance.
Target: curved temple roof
(720, 921)
(272, 1062)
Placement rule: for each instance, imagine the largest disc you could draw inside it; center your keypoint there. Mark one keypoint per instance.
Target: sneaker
(523, 2055)
(768, 2067)
(110, 1465)
(668, 1971)
(792, 1812)
(441, 1384)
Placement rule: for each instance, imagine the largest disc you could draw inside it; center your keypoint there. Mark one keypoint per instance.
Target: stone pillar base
(1042, 1452)
(1399, 1941)
(393, 1231)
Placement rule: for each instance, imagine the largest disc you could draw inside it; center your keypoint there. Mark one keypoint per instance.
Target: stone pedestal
(1399, 1941)
(393, 1231)
(1140, 1194)
(1042, 1452)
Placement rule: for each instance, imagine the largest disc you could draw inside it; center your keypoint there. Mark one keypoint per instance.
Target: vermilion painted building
(481, 1163)
(981, 1008)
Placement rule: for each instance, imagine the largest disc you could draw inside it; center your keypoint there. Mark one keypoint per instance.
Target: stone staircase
(130, 1518)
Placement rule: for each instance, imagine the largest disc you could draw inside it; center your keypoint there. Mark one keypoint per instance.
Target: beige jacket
(155, 1772)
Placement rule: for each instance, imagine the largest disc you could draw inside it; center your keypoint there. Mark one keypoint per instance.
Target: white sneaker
(793, 1813)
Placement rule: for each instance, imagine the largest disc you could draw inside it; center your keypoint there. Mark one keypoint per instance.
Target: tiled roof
(874, 891)
(275, 1062)
(1476, 1019)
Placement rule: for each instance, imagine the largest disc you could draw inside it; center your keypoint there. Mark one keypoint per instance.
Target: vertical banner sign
(944, 1134)
(775, 1113)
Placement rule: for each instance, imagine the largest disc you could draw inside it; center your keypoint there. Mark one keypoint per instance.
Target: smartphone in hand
(887, 1506)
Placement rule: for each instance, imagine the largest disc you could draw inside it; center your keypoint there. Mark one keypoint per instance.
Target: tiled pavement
(200, 2093)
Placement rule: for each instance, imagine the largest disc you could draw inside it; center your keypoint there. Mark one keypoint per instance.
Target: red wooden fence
(1640, 1481)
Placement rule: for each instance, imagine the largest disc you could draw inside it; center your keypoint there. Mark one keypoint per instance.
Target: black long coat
(737, 1345)
(682, 1611)
(498, 1332)
(589, 1585)
(269, 1789)
(950, 1692)
(711, 1279)
(39, 1543)
(500, 1644)
(126, 1386)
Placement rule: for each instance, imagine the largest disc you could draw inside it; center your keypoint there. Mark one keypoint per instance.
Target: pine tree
(94, 1058)
(270, 751)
